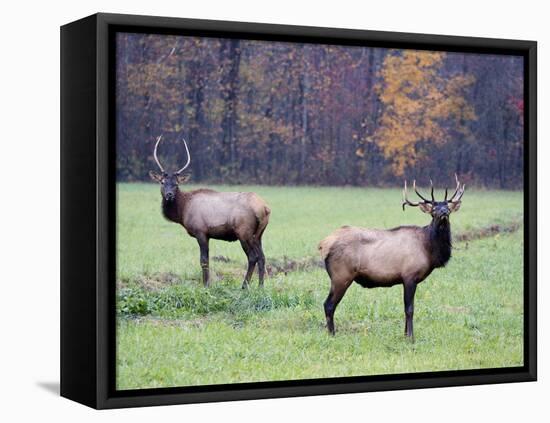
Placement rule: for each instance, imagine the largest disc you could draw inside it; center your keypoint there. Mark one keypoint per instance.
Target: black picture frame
(88, 209)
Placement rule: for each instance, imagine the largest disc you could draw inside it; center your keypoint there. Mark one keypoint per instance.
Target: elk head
(439, 210)
(169, 181)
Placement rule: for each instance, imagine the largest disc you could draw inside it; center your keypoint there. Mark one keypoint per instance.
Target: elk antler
(459, 192)
(155, 153)
(188, 158)
(158, 162)
(406, 201)
(420, 195)
(455, 198)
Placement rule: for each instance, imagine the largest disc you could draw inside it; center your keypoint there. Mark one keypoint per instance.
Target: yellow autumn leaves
(419, 105)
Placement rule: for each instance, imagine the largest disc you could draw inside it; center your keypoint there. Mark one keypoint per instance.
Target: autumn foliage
(420, 106)
(290, 113)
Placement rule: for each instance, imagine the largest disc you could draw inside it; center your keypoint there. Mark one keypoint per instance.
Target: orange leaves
(418, 105)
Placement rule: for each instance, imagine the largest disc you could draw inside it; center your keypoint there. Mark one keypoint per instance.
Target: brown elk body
(207, 214)
(383, 258)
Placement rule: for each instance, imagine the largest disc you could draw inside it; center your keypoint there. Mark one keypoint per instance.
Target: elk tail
(262, 222)
(325, 246)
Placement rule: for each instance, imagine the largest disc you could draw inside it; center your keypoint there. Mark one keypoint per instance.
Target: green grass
(174, 332)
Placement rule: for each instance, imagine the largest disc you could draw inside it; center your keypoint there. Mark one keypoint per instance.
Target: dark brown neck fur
(439, 242)
(173, 210)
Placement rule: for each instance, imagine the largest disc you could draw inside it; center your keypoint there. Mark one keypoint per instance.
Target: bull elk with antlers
(383, 258)
(207, 214)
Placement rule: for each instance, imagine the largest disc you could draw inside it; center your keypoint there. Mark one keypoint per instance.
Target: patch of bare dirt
(286, 265)
(222, 259)
(488, 231)
(273, 266)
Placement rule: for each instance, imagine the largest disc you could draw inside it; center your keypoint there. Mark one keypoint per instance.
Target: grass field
(173, 332)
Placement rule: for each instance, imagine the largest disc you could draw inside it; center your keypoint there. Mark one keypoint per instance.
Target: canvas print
(290, 211)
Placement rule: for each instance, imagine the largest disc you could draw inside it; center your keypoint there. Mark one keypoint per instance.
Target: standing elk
(207, 214)
(383, 258)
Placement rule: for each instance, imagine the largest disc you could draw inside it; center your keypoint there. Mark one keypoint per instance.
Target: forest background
(278, 113)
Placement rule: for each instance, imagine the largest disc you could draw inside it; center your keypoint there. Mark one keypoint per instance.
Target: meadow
(173, 332)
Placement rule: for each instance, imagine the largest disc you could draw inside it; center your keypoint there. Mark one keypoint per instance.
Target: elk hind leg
(261, 263)
(252, 256)
(339, 286)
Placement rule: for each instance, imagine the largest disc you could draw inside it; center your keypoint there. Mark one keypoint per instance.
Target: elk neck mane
(173, 210)
(439, 242)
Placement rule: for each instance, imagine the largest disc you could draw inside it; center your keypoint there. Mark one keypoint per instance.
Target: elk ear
(183, 178)
(425, 207)
(453, 207)
(155, 176)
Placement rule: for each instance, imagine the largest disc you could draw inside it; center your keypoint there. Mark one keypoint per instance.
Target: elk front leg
(409, 288)
(203, 245)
